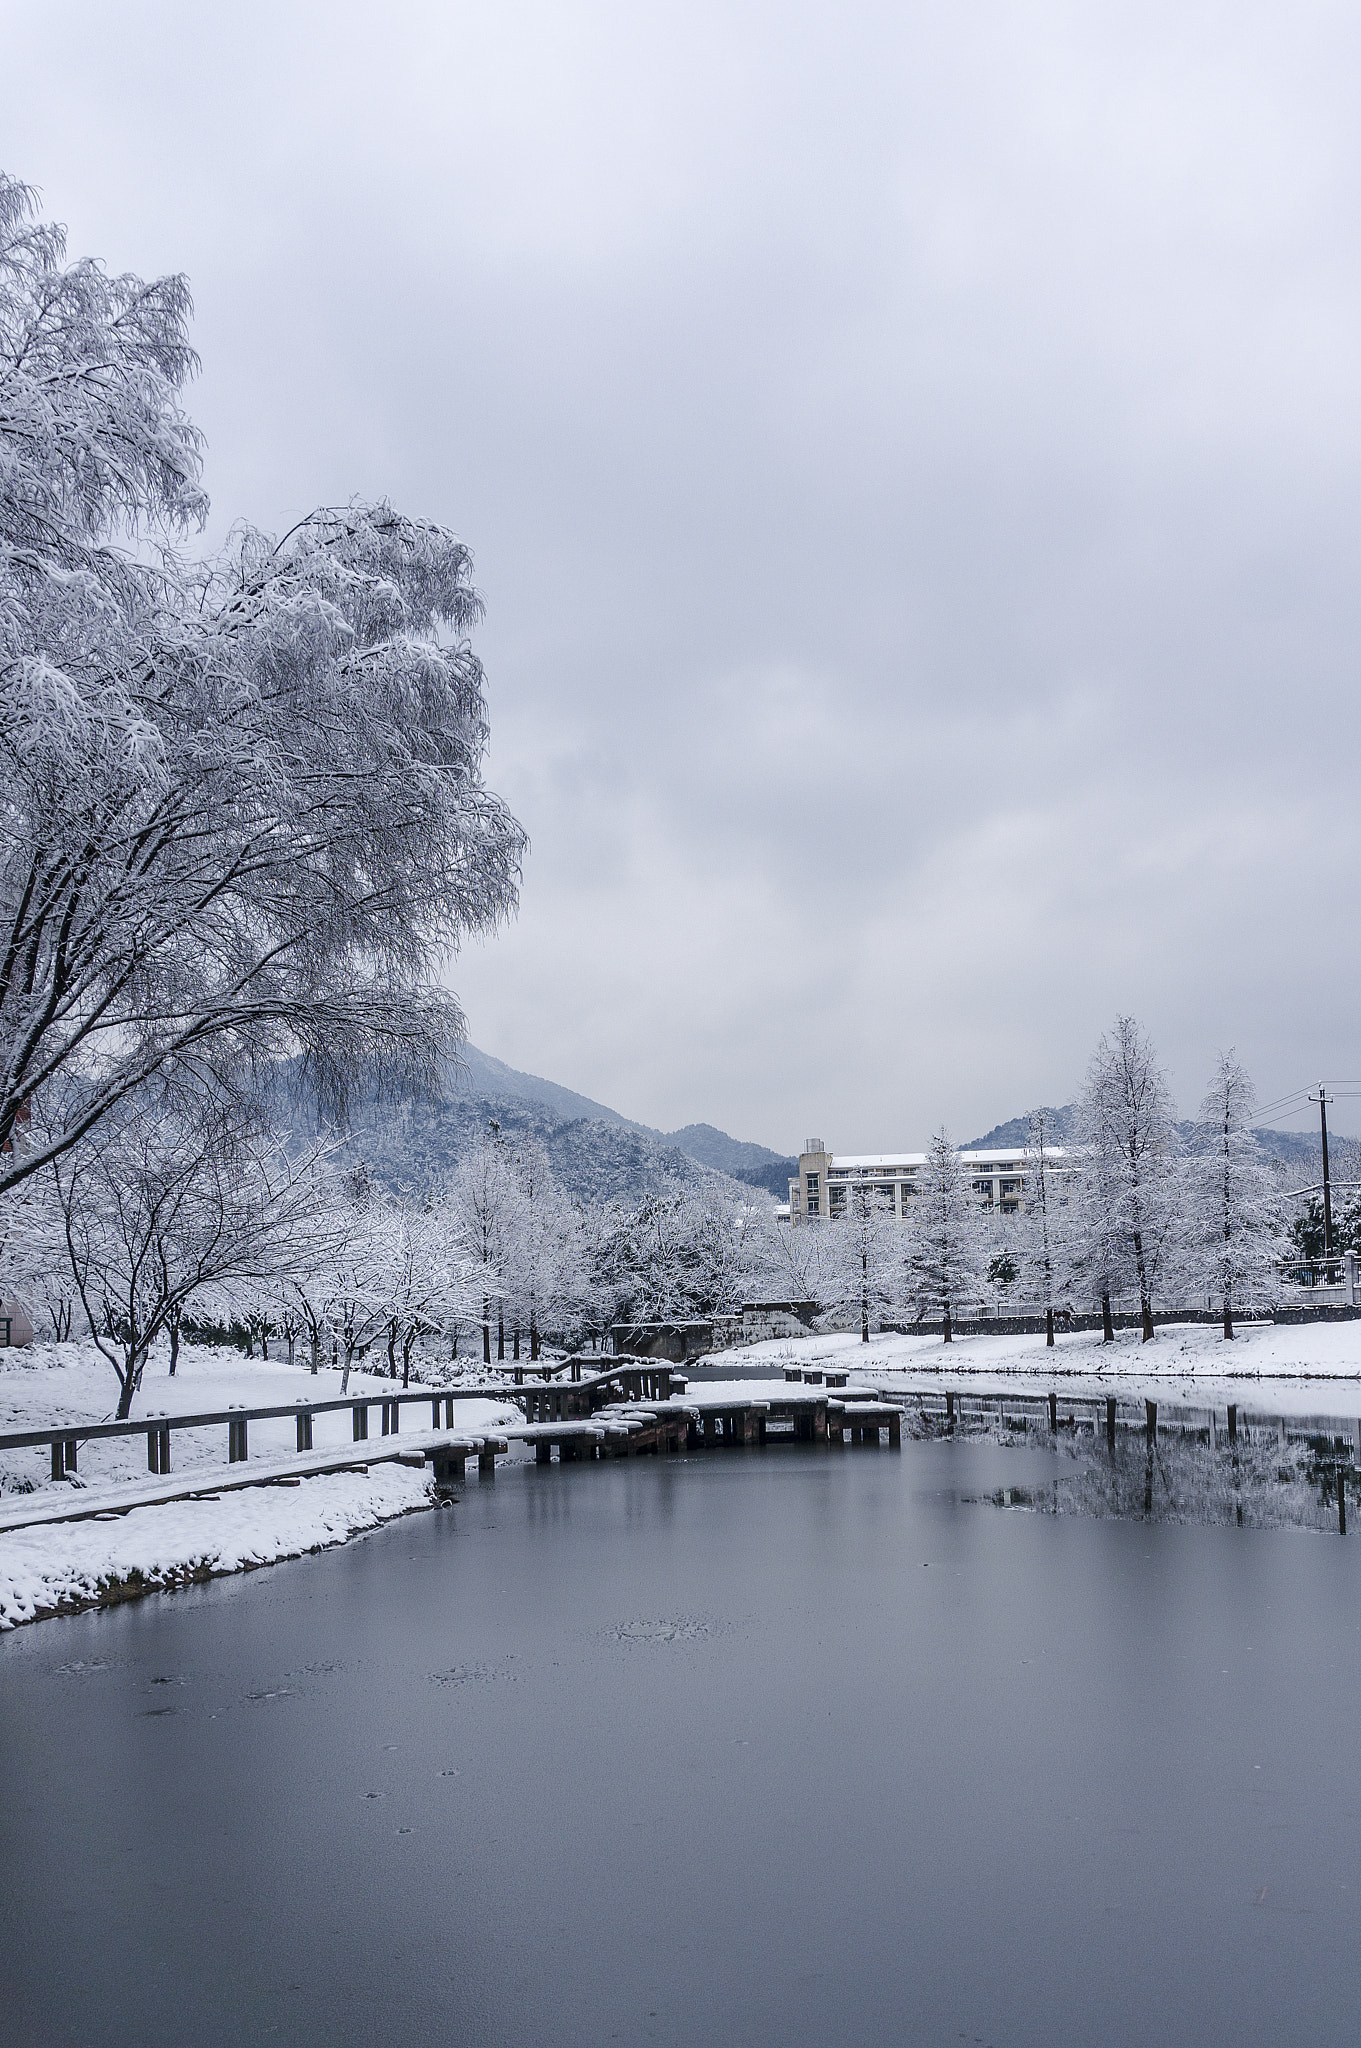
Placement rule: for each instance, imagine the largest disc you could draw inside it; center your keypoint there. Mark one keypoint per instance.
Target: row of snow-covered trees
(1129, 1212)
(161, 1221)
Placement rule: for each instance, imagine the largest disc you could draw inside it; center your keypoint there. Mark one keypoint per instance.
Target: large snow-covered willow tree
(241, 798)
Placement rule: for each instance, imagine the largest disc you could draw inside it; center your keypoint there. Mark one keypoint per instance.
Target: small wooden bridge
(628, 1408)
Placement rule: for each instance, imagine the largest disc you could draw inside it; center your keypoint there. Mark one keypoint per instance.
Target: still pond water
(787, 1748)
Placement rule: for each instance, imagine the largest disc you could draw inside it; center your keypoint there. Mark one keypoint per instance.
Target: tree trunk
(1145, 1301)
(1228, 1314)
(1107, 1326)
(250, 1344)
(515, 1342)
(292, 1339)
(407, 1343)
(174, 1344)
(486, 1331)
(316, 1351)
(1049, 1325)
(392, 1351)
(500, 1337)
(125, 1394)
(949, 1328)
(533, 1337)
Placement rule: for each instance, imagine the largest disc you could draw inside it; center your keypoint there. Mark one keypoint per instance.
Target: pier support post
(1151, 1420)
(1110, 1420)
(543, 1452)
(1233, 1422)
(949, 1411)
(1053, 1413)
(895, 1430)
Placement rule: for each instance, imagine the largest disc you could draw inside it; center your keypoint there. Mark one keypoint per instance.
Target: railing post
(361, 1421)
(58, 1465)
(237, 1452)
(305, 1429)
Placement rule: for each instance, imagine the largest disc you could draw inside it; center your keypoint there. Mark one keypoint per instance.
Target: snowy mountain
(595, 1152)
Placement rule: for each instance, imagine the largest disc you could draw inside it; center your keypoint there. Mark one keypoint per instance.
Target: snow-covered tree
(426, 1282)
(1044, 1236)
(540, 1248)
(1127, 1125)
(162, 1207)
(864, 1274)
(948, 1240)
(479, 1204)
(363, 1287)
(1234, 1238)
(241, 809)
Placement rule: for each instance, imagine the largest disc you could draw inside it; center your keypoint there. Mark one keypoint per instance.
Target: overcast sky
(912, 456)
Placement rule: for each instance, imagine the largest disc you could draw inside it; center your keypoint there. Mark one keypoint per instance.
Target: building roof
(895, 1162)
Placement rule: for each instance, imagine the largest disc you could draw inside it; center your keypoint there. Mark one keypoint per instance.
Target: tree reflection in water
(1256, 1483)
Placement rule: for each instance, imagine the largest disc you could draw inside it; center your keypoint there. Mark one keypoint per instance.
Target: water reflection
(1255, 1483)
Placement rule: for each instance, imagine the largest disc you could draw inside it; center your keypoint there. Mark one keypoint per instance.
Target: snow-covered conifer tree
(1234, 1236)
(1126, 1117)
(948, 1234)
(865, 1273)
(1043, 1238)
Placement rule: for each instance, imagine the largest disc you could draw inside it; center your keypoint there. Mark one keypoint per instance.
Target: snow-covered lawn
(62, 1565)
(47, 1384)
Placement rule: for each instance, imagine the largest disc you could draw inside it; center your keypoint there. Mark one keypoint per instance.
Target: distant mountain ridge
(595, 1153)
(739, 1158)
(1296, 1147)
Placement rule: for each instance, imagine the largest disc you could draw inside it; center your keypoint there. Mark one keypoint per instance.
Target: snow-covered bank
(62, 1568)
(1287, 1369)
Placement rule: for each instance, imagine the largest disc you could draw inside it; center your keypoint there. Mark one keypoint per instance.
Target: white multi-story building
(997, 1176)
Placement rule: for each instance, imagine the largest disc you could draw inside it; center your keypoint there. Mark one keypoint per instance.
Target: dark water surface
(782, 1747)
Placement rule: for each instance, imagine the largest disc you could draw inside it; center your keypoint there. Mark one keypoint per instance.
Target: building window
(812, 1183)
(814, 1205)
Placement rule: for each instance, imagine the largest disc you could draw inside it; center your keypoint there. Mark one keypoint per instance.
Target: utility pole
(1322, 1100)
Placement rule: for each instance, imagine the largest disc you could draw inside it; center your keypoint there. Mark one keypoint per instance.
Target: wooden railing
(157, 1429)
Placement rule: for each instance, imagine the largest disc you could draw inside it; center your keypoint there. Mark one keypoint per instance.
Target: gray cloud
(912, 459)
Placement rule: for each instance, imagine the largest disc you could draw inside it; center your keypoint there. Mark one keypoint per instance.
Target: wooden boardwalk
(629, 1408)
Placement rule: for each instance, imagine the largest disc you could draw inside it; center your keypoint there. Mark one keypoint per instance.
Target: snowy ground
(1301, 1369)
(44, 1384)
(50, 1569)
